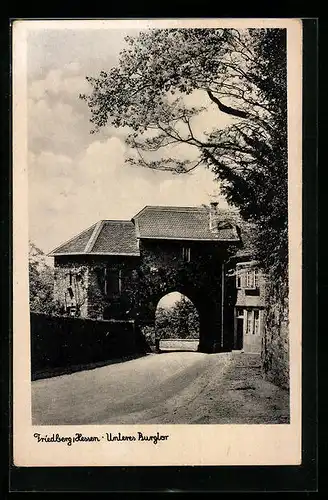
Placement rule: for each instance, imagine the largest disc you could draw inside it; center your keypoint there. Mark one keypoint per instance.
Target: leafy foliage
(243, 75)
(181, 321)
(40, 282)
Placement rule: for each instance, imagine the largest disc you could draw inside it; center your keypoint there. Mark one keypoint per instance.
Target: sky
(76, 178)
(170, 299)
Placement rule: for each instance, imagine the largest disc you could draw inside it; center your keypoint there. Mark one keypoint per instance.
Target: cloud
(86, 51)
(57, 126)
(59, 81)
(75, 180)
(57, 119)
(46, 120)
(195, 188)
(74, 67)
(208, 119)
(103, 157)
(66, 195)
(50, 187)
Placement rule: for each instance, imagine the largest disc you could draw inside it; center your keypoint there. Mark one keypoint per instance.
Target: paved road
(174, 387)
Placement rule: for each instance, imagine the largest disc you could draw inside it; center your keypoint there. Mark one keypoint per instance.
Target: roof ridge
(168, 208)
(172, 208)
(118, 220)
(180, 207)
(94, 236)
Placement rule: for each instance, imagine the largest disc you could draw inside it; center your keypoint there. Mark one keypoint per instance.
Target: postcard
(157, 242)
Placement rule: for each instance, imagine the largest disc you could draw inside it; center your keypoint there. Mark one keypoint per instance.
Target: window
(251, 321)
(125, 277)
(186, 254)
(120, 281)
(239, 278)
(247, 277)
(69, 278)
(252, 278)
(70, 285)
(112, 282)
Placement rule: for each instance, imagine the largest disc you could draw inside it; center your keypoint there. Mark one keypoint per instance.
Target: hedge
(61, 342)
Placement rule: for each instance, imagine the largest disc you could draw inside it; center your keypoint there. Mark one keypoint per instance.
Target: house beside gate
(250, 296)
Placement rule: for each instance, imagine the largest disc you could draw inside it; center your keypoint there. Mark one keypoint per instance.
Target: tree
(180, 321)
(241, 73)
(40, 282)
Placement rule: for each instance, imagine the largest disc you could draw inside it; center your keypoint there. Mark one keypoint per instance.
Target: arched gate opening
(177, 323)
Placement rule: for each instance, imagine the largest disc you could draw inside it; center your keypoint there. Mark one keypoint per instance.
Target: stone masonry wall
(275, 346)
(121, 306)
(96, 305)
(247, 299)
(72, 275)
(163, 270)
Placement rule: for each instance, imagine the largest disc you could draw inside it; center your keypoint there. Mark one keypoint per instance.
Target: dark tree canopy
(240, 72)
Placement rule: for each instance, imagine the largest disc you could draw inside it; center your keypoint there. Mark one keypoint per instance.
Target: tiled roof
(185, 223)
(107, 237)
(76, 244)
(114, 237)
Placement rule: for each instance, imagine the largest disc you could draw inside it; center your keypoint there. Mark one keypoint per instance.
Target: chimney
(214, 217)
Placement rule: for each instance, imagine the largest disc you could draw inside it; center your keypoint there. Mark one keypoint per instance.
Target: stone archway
(212, 338)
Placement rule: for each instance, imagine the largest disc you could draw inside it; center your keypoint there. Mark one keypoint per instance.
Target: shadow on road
(165, 351)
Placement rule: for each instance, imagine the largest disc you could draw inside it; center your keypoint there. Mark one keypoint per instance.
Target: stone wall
(163, 270)
(96, 305)
(74, 276)
(122, 305)
(275, 344)
(252, 298)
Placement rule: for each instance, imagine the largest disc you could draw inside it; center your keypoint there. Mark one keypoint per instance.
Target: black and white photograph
(158, 241)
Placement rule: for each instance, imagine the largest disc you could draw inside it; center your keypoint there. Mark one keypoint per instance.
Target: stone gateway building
(120, 269)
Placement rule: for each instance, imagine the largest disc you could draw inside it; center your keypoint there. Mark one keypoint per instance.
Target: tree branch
(227, 109)
(192, 136)
(228, 147)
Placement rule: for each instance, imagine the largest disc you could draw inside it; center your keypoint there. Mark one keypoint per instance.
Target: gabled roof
(106, 237)
(182, 223)
(120, 237)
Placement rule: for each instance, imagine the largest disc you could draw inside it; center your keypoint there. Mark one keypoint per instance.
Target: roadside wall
(275, 346)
